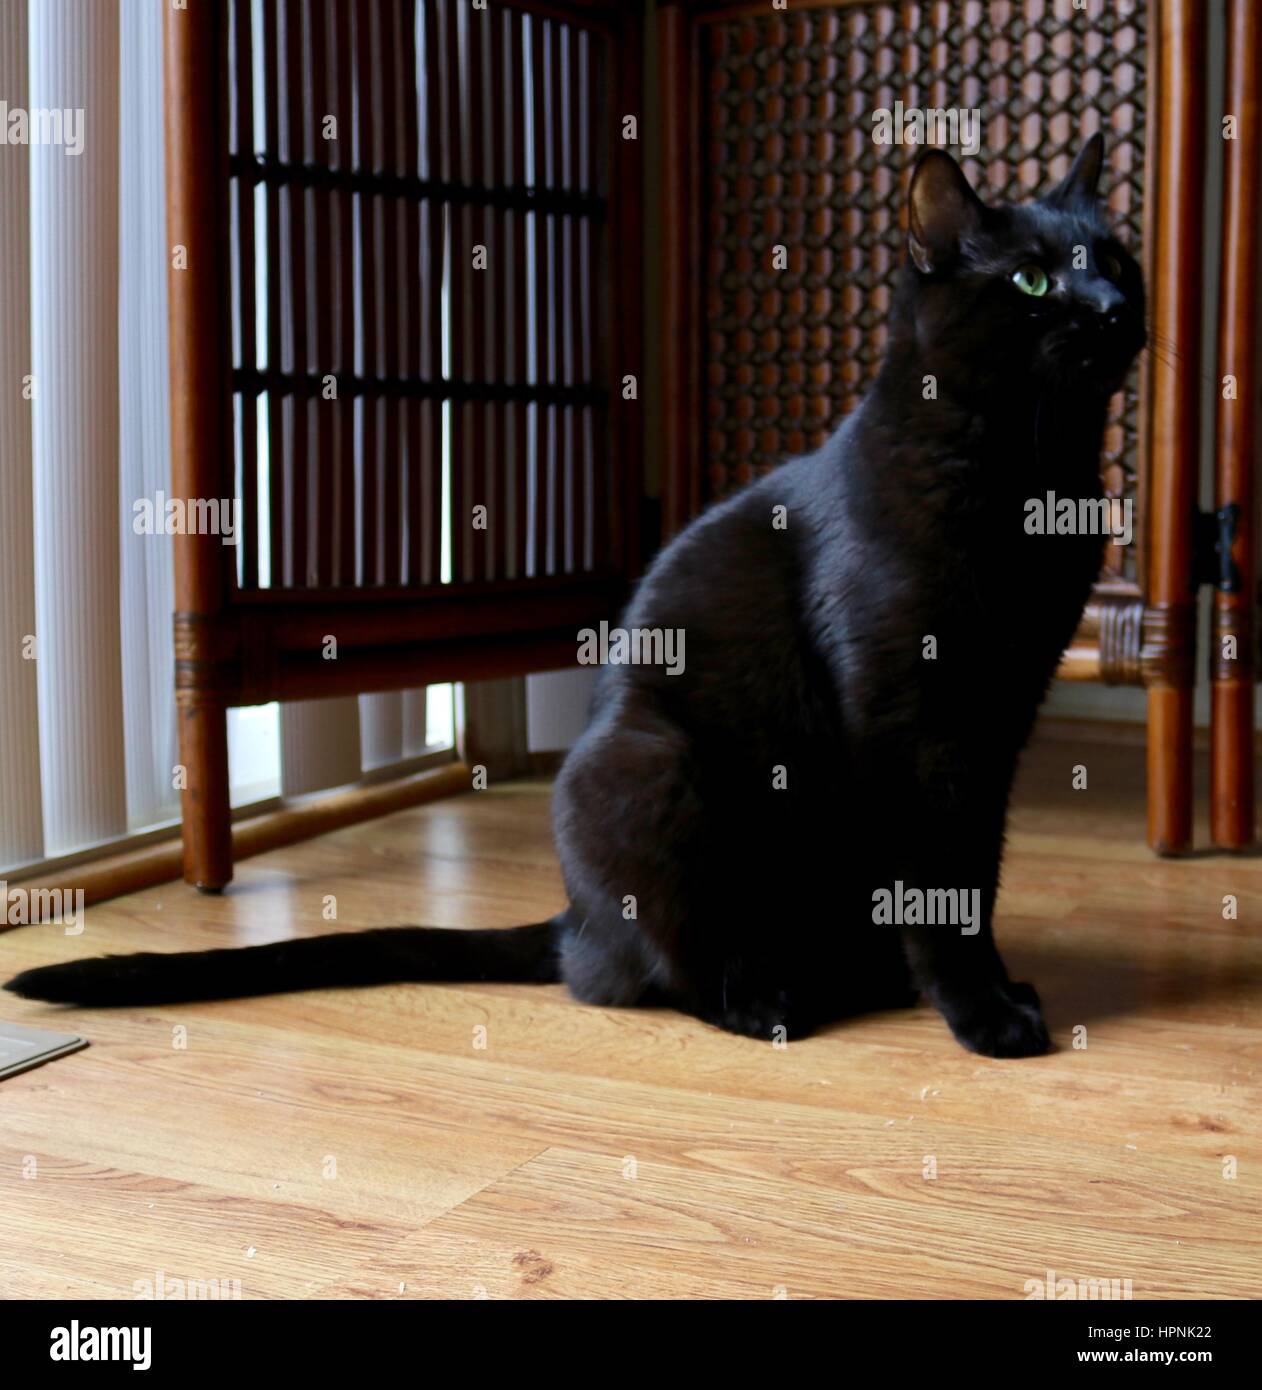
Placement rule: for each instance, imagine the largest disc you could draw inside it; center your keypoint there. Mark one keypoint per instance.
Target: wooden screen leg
(491, 726)
(198, 287)
(1169, 768)
(1231, 655)
(1231, 763)
(1170, 612)
(204, 801)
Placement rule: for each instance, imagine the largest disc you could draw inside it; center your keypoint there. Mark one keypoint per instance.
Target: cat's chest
(996, 566)
(1024, 546)
(1008, 606)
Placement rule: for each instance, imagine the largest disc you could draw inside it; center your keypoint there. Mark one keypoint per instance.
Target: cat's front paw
(1004, 1021)
(772, 1019)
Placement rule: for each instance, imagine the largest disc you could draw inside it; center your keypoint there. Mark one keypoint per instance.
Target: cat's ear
(1083, 179)
(942, 211)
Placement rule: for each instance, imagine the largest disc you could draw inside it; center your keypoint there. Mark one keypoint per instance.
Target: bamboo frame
(1170, 619)
(1132, 633)
(1233, 677)
(242, 643)
(200, 410)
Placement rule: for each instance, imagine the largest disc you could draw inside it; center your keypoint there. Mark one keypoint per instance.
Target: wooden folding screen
(403, 298)
(1234, 635)
(767, 124)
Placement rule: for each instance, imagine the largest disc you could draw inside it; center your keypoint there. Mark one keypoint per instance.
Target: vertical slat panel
(553, 134)
(344, 526)
(476, 101)
(323, 303)
(295, 267)
(386, 274)
(505, 99)
(488, 148)
(540, 300)
(432, 411)
(273, 400)
(411, 515)
(561, 496)
(606, 364)
(496, 284)
(458, 222)
(243, 89)
(366, 158)
(497, 464)
(575, 482)
(519, 412)
(594, 461)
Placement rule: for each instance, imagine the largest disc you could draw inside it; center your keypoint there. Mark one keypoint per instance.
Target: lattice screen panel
(789, 159)
(388, 380)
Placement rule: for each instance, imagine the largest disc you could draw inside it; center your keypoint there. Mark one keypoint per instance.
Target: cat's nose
(1106, 301)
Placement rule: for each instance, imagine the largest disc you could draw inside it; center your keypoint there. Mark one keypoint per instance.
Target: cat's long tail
(380, 956)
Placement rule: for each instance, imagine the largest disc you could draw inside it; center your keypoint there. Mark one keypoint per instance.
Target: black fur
(695, 881)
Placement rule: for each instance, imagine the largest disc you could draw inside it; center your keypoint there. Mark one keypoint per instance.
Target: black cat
(869, 633)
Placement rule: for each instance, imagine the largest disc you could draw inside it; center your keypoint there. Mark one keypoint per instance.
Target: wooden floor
(361, 1143)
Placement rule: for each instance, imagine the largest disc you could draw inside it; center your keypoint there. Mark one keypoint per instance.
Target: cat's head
(1039, 298)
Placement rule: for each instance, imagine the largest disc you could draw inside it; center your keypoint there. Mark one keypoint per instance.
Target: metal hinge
(1213, 535)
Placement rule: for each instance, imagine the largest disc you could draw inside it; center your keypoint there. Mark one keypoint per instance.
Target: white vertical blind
(393, 726)
(73, 46)
(88, 730)
(417, 733)
(557, 707)
(144, 423)
(381, 728)
(21, 824)
(319, 744)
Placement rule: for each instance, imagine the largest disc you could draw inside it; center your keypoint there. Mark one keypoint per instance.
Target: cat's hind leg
(605, 961)
(626, 814)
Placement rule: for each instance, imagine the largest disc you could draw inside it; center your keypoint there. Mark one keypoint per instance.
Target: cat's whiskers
(1170, 357)
(1174, 358)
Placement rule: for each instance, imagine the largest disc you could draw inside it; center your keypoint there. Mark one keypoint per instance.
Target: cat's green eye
(1111, 266)
(1031, 279)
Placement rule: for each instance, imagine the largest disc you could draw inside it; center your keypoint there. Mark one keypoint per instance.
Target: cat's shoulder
(768, 502)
